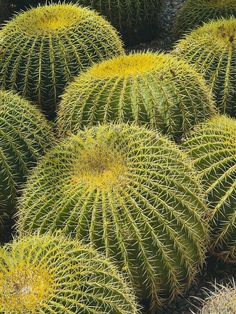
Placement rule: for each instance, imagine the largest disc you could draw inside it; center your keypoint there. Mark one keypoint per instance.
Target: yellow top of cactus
(49, 19)
(98, 166)
(133, 65)
(23, 288)
(220, 33)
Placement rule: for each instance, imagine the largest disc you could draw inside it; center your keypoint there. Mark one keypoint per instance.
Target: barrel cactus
(43, 48)
(51, 274)
(212, 146)
(222, 300)
(212, 50)
(133, 194)
(25, 137)
(195, 12)
(145, 88)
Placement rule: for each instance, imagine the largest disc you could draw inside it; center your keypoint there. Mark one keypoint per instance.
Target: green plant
(133, 194)
(220, 301)
(212, 147)
(24, 138)
(195, 12)
(43, 48)
(52, 274)
(146, 88)
(212, 50)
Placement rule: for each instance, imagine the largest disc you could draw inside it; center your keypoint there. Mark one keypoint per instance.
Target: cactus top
(215, 35)
(52, 274)
(49, 20)
(136, 65)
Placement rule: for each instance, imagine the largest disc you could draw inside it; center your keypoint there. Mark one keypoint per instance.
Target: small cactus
(212, 147)
(212, 50)
(51, 274)
(220, 301)
(24, 138)
(133, 194)
(195, 12)
(146, 88)
(43, 48)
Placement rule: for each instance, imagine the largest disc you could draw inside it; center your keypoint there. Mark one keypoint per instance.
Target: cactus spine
(43, 48)
(146, 88)
(212, 146)
(25, 137)
(212, 50)
(133, 194)
(195, 12)
(51, 274)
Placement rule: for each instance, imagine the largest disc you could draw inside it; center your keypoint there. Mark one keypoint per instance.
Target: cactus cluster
(24, 138)
(220, 301)
(130, 192)
(146, 88)
(212, 147)
(51, 274)
(212, 50)
(194, 13)
(43, 48)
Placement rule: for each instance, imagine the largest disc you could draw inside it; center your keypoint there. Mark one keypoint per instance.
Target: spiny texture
(221, 301)
(212, 50)
(146, 88)
(24, 138)
(130, 17)
(212, 147)
(43, 48)
(51, 274)
(195, 12)
(130, 192)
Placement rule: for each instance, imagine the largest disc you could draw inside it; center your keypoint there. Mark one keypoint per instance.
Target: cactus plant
(133, 194)
(212, 147)
(220, 301)
(195, 12)
(25, 136)
(212, 50)
(52, 274)
(44, 47)
(147, 88)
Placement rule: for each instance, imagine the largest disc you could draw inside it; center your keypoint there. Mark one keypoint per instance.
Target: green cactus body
(146, 88)
(43, 48)
(24, 138)
(134, 19)
(220, 301)
(212, 146)
(196, 12)
(212, 50)
(130, 192)
(51, 274)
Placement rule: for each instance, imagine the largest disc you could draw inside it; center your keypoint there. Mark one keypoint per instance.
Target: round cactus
(212, 50)
(212, 146)
(43, 48)
(133, 195)
(25, 136)
(145, 88)
(220, 301)
(195, 12)
(51, 274)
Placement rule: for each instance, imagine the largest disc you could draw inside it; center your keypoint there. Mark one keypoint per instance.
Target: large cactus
(24, 138)
(51, 274)
(130, 192)
(195, 12)
(43, 48)
(212, 50)
(147, 88)
(212, 146)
